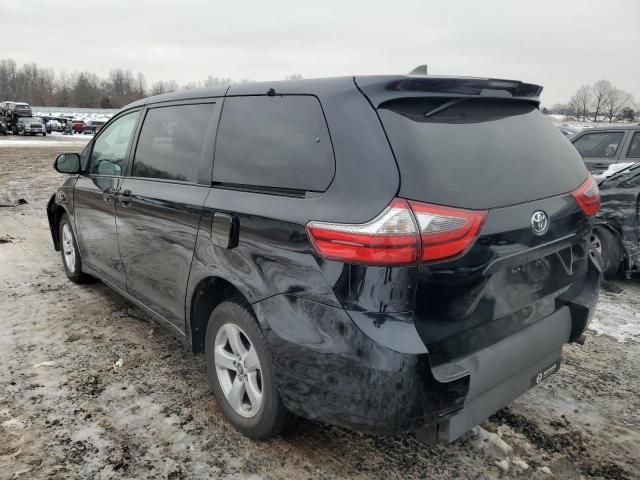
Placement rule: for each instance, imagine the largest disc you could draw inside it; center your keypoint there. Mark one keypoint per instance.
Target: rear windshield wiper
(444, 106)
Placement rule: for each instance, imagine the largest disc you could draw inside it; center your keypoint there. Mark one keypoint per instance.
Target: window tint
(478, 153)
(599, 144)
(110, 148)
(278, 142)
(173, 144)
(634, 148)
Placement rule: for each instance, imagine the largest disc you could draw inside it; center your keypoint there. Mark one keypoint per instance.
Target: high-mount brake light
(405, 233)
(587, 196)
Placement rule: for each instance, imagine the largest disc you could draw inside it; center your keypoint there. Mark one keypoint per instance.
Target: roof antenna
(271, 92)
(419, 70)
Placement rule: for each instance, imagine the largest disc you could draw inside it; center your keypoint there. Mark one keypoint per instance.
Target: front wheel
(69, 252)
(608, 251)
(240, 372)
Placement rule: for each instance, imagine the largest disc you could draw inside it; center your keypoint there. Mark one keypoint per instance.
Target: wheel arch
(210, 292)
(616, 230)
(54, 214)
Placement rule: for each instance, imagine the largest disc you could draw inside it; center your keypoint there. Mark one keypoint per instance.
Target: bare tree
(601, 90)
(212, 81)
(578, 105)
(628, 114)
(293, 76)
(161, 87)
(615, 102)
(43, 87)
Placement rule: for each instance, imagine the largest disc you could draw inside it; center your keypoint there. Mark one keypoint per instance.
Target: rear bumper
(502, 372)
(328, 369)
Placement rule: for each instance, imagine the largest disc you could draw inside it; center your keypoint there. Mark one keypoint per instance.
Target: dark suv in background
(385, 253)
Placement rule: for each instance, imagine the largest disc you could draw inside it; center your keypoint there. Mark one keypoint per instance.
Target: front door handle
(124, 198)
(108, 195)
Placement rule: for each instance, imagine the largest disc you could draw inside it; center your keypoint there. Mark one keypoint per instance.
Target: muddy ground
(67, 412)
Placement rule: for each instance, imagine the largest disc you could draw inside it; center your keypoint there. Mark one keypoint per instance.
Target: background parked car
(19, 109)
(31, 126)
(77, 126)
(568, 131)
(616, 234)
(93, 126)
(603, 146)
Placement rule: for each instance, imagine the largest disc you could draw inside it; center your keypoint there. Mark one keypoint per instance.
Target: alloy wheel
(68, 248)
(238, 370)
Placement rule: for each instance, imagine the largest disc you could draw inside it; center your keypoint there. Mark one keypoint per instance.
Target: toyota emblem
(539, 222)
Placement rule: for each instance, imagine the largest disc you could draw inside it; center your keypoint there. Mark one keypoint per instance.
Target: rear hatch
(490, 150)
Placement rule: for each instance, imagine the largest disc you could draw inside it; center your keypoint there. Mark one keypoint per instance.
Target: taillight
(588, 197)
(446, 232)
(389, 239)
(405, 233)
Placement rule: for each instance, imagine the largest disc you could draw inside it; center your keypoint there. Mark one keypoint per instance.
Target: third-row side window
(274, 141)
(173, 144)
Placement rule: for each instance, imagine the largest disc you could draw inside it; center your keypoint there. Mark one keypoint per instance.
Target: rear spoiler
(380, 89)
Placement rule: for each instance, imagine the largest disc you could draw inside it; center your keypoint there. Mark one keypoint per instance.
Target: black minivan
(384, 253)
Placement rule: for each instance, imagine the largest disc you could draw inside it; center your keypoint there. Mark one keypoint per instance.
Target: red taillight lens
(389, 239)
(588, 197)
(405, 233)
(446, 232)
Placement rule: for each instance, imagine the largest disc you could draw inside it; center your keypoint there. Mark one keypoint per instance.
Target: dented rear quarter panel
(619, 212)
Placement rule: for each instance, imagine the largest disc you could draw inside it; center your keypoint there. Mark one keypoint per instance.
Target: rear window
(274, 142)
(478, 153)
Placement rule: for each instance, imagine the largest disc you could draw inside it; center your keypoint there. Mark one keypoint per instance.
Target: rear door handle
(108, 195)
(124, 198)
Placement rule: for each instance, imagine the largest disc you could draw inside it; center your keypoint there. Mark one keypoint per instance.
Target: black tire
(610, 252)
(272, 418)
(75, 273)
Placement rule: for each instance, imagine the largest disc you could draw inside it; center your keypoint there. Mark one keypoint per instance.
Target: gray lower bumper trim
(504, 371)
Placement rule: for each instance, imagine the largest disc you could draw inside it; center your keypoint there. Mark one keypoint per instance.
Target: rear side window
(173, 144)
(275, 142)
(599, 144)
(478, 153)
(634, 148)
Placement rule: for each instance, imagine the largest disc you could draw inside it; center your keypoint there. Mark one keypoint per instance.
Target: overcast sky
(560, 44)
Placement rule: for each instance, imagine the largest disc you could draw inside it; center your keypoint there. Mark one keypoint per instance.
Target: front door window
(111, 147)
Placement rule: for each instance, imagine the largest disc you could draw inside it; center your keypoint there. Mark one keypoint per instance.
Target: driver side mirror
(68, 163)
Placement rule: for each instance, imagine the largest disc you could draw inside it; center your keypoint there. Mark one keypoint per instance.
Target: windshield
(478, 153)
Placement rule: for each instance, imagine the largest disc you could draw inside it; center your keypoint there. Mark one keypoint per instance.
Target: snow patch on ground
(618, 319)
(43, 142)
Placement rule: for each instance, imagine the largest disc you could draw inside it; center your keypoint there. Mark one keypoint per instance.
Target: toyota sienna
(383, 253)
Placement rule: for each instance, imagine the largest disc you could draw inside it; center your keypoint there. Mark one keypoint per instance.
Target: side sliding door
(160, 202)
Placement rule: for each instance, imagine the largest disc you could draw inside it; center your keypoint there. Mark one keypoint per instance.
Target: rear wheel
(240, 372)
(608, 251)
